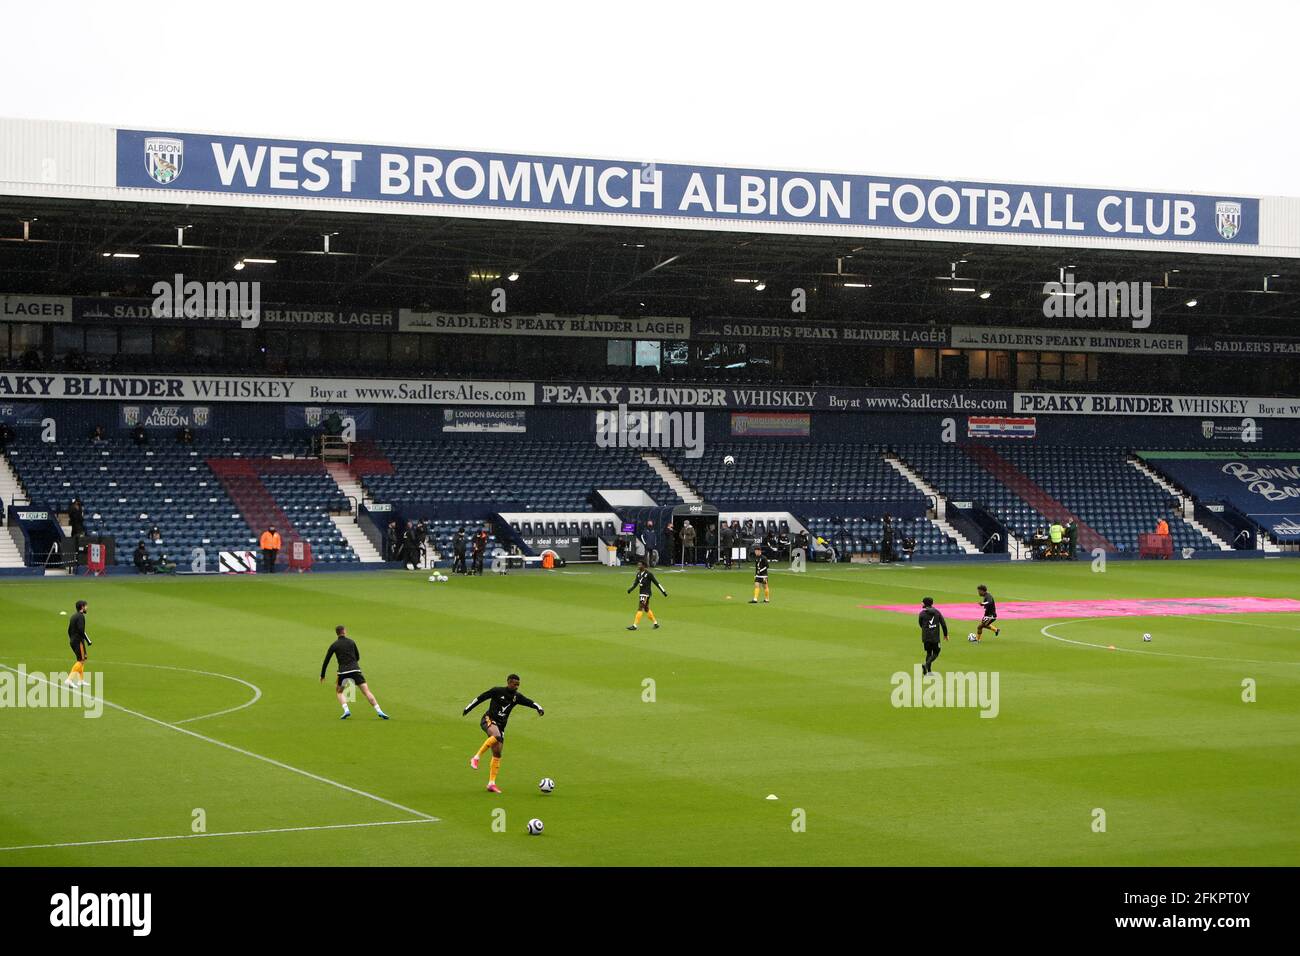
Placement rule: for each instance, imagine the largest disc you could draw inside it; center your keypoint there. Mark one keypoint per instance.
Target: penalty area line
(229, 833)
(240, 750)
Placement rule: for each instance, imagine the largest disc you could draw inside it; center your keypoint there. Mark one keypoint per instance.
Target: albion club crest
(1227, 218)
(163, 158)
(1207, 429)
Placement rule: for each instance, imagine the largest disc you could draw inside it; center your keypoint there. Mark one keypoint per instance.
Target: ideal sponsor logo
(76, 909)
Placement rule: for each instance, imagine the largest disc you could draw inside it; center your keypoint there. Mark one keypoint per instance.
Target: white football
(1146, 637)
(534, 826)
(970, 637)
(547, 785)
(432, 578)
(729, 460)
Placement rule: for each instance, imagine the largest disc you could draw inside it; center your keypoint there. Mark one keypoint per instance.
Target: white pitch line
(240, 750)
(229, 833)
(1046, 629)
(1272, 627)
(257, 691)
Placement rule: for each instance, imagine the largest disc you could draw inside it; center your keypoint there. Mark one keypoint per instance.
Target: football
(729, 460)
(547, 785)
(1146, 637)
(534, 826)
(971, 638)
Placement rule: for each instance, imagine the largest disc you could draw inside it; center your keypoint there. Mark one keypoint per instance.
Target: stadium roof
(90, 210)
(322, 257)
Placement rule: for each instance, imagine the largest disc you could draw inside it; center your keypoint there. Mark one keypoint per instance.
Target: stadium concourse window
(26, 338)
(989, 365)
(68, 339)
(648, 355)
(374, 350)
(304, 348)
(204, 343)
(925, 363)
(406, 349)
(137, 341)
(101, 340)
(169, 342)
(1033, 367)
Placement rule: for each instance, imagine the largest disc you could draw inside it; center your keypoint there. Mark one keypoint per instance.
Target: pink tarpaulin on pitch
(1116, 608)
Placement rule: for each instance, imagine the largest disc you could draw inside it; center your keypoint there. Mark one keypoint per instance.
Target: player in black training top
(645, 580)
(503, 700)
(932, 623)
(990, 613)
(760, 577)
(78, 641)
(349, 658)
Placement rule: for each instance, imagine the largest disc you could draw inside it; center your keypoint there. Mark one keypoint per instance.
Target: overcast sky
(1177, 95)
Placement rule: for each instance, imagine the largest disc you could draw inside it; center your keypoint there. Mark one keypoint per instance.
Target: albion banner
(1067, 340)
(664, 193)
(313, 417)
(164, 416)
(1064, 403)
(25, 414)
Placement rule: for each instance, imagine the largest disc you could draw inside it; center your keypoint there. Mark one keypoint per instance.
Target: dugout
(702, 517)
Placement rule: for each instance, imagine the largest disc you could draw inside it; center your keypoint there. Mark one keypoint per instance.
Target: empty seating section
(783, 473)
(128, 489)
(955, 476)
(544, 476)
(1104, 490)
(850, 536)
(305, 501)
(1097, 485)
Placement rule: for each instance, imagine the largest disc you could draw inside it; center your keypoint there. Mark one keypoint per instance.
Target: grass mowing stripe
(240, 750)
(230, 833)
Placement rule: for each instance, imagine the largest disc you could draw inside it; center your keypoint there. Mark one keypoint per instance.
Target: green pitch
(791, 699)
